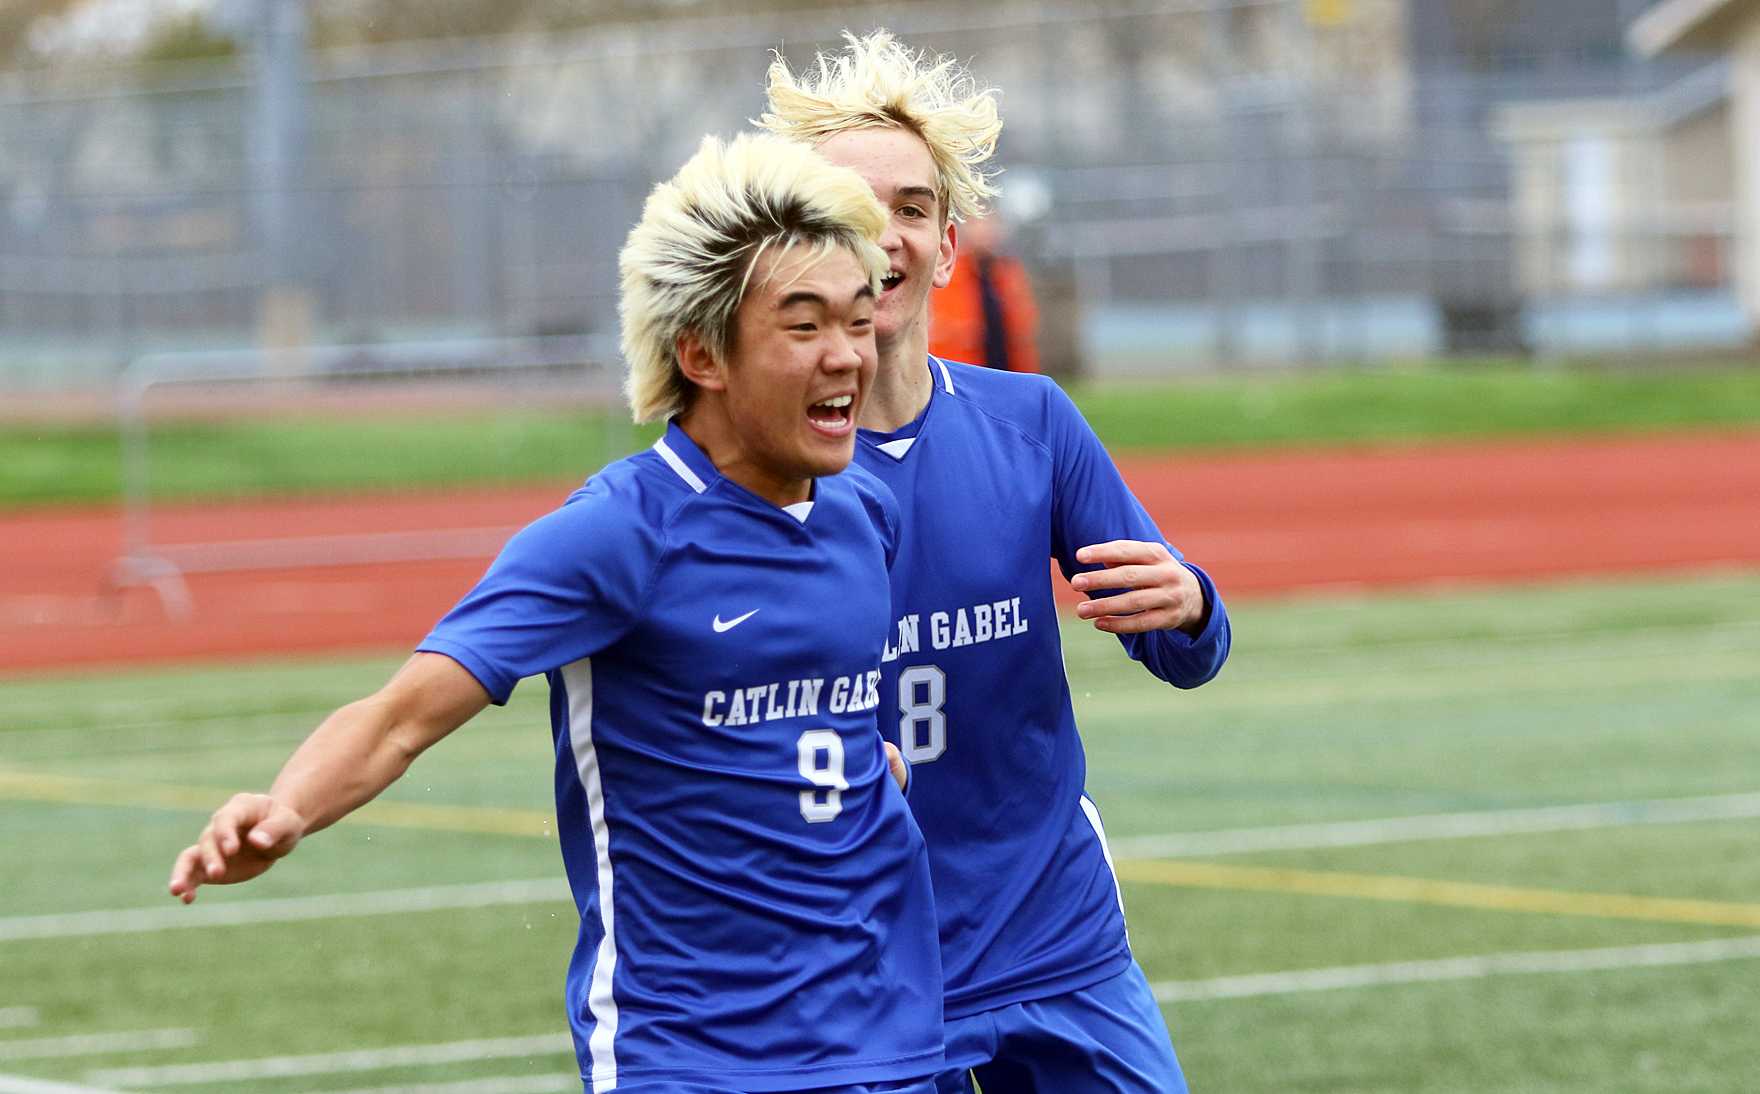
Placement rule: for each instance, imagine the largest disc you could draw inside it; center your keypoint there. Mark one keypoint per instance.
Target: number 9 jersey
(754, 894)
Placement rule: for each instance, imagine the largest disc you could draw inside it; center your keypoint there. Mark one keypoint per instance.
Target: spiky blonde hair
(877, 81)
(688, 263)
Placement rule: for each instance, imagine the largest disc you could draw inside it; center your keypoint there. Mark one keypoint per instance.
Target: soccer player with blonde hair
(996, 472)
(754, 899)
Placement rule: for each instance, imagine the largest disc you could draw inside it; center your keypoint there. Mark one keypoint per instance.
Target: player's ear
(944, 258)
(698, 363)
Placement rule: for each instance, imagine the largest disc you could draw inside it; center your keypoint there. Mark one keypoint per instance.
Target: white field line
(230, 719)
(95, 1044)
(301, 720)
(332, 1063)
(19, 1017)
(1499, 822)
(1663, 636)
(20, 1084)
(1187, 844)
(35, 719)
(508, 1084)
(1459, 968)
(305, 717)
(173, 916)
(1646, 644)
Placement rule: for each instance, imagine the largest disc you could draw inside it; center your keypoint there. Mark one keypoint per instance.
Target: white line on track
(332, 1063)
(508, 1084)
(172, 917)
(94, 1044)
(1501, 822)
(20, 1084)
(1460, 968)
(19, 1017)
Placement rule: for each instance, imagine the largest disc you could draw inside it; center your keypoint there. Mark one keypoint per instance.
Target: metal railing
(586, 368)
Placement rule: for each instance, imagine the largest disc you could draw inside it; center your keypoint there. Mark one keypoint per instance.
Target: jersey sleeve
(881, 505)
(565, 587)
(1093, 505)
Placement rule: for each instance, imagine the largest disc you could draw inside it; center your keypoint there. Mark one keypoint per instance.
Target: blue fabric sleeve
(1093, 505)
(883, 510)
(565, 587)
(881, 505)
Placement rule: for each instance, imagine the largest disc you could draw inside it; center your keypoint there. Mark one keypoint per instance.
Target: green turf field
(294, 453)
(1583, 917)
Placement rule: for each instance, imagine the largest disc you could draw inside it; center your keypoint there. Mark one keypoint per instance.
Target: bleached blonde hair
(689, 262)
(878, 82)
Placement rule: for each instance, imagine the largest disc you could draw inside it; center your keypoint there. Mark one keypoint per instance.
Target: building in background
(1215, 184)
(1730, 27)
(1622, 210)
(1623, 194)
(1623, 199)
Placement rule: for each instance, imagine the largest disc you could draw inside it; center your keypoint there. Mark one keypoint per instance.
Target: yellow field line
(81, 790)
(1453, 894)
(484, 820)
(479, 819)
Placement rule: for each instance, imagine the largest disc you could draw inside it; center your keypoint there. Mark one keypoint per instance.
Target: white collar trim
(678, 465)
(897, 449)
(946, 376)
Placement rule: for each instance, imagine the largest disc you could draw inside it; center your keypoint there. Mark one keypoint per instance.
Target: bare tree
(16, 19)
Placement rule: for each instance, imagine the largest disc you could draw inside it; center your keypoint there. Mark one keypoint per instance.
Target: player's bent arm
(1152, 589)
(1180, 657)
(1164, 610)
(353, 755)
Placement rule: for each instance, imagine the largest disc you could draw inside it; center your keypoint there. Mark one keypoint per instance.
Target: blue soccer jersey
(754, 895)
(999, 473)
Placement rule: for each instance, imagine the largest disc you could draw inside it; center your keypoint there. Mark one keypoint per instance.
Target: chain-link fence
(1194, 182)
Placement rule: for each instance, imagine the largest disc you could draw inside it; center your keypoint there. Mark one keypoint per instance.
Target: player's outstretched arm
(352, 756)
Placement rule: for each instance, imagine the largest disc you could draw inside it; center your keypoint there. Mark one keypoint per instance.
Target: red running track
(1261, 523)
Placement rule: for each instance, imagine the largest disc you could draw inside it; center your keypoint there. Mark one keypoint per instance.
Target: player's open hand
(243, 839)
(1160, 593)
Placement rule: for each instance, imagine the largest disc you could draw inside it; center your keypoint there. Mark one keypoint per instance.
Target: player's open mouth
(832, 415)
(890, 281)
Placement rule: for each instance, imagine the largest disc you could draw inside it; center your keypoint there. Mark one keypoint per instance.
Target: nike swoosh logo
(722, 628)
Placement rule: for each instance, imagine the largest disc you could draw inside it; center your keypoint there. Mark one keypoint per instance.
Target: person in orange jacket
(986, 315)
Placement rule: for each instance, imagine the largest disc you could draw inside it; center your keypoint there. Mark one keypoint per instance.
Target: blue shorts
(1107, 1039)
(896, 1086)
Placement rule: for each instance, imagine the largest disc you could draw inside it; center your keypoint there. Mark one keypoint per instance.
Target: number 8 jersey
(754, 894)
(998, 475)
